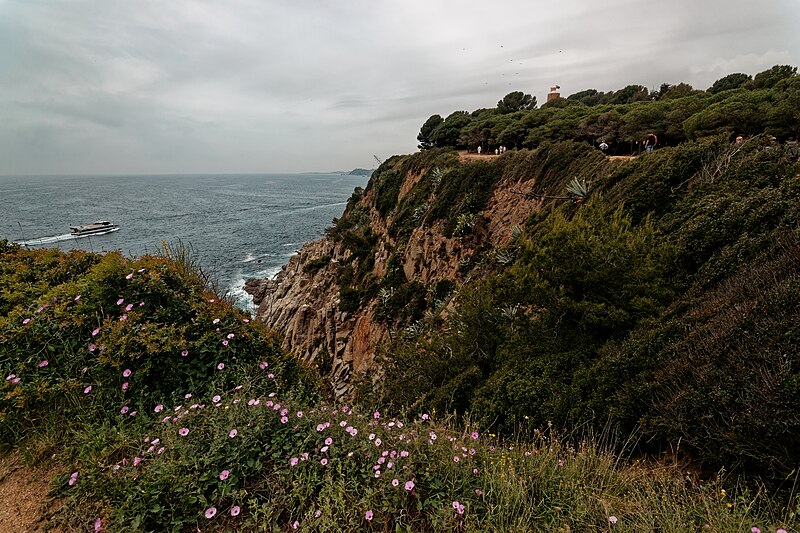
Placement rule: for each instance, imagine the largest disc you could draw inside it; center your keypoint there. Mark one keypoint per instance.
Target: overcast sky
(228, 86)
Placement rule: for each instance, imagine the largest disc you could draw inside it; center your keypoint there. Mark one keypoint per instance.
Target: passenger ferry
(97, 228)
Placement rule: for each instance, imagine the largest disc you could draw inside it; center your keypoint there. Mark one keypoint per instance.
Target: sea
(238, 226)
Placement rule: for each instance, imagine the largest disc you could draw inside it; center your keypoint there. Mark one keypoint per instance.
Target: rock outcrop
(302, 302)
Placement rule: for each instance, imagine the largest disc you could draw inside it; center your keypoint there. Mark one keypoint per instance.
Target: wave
(58, 238)
(241, 298)
(312, 208)
(249, 258)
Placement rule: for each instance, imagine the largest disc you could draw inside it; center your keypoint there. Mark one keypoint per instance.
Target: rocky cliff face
(302, 302)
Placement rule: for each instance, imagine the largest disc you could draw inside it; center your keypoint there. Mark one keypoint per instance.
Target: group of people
(497, 151)
(650, 142)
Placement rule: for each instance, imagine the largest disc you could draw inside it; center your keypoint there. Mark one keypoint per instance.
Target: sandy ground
(24, 500)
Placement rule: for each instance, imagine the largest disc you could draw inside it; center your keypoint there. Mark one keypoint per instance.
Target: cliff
(409, 241)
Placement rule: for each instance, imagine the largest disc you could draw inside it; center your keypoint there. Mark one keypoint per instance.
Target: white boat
(97, 228)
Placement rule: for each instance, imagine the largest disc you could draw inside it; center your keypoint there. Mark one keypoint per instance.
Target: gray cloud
(260, 86)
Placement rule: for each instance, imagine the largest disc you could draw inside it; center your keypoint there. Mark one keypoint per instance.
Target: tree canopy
(736, 104)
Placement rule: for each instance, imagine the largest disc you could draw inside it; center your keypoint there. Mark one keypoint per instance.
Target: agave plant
(578, 189)
(506, 256)
(436, 177)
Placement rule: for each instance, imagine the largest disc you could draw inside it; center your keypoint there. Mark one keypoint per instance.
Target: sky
(235, 86)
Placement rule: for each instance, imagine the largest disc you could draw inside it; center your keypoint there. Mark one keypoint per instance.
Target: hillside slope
(489, 287)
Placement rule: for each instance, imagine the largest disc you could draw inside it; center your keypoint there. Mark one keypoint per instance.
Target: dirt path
(24, 499)
(463, 155)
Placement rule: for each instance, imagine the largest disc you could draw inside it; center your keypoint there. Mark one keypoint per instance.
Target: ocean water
(238, 225)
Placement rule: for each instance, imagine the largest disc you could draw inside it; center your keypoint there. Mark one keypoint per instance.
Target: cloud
(260, 86)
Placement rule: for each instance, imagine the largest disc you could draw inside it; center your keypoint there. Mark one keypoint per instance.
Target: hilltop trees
(425, 136)
(731, 81)
(734, 105)
(515, 101)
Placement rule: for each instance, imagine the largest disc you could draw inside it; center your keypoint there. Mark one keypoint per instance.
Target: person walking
(650, 142)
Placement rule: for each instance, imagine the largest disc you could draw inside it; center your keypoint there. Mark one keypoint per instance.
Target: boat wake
(58, 238)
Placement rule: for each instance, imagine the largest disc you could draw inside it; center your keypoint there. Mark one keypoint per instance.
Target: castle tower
(553, 94)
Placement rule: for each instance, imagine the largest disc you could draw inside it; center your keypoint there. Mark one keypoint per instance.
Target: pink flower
(780, 530)
(95, 332)
(220, 366)
(98, 525)
(126, 373)
(87, 390)
(124, 410)
(263, 365)
(230, 335)
(215, 321)
(233, 433)
(133, 413)
(395, 482)
(235, 510)
(128, 307)
(43, 364)
(119, 302)
(125, 386)
(187, 395)
(224, 343)
(271, 376)
(293, 461)
(136, 461)
(10, 377)
(24, 322)
(216, 398)
(456, 459)
(323, 461)
(14, 381)
(328, 441)
(299, 414)
(425, 416)
(158, 408)
(474, 435)
(754, 529)
(210, 512)
(224, 475)
(295, 524)
(612, 519)
(284, 420)
(409, 485)
(73, 479)
(129, 276)
(246, 320)
(368, 515)
(184, 353)
(376, 415)
(183, 432)
(123, 318)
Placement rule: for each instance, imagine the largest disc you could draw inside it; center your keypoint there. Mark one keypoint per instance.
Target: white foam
(242, 298)
(58, 238)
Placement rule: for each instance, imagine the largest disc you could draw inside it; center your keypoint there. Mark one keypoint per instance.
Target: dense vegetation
(184, 416)
(737, 104)
(662, 301)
